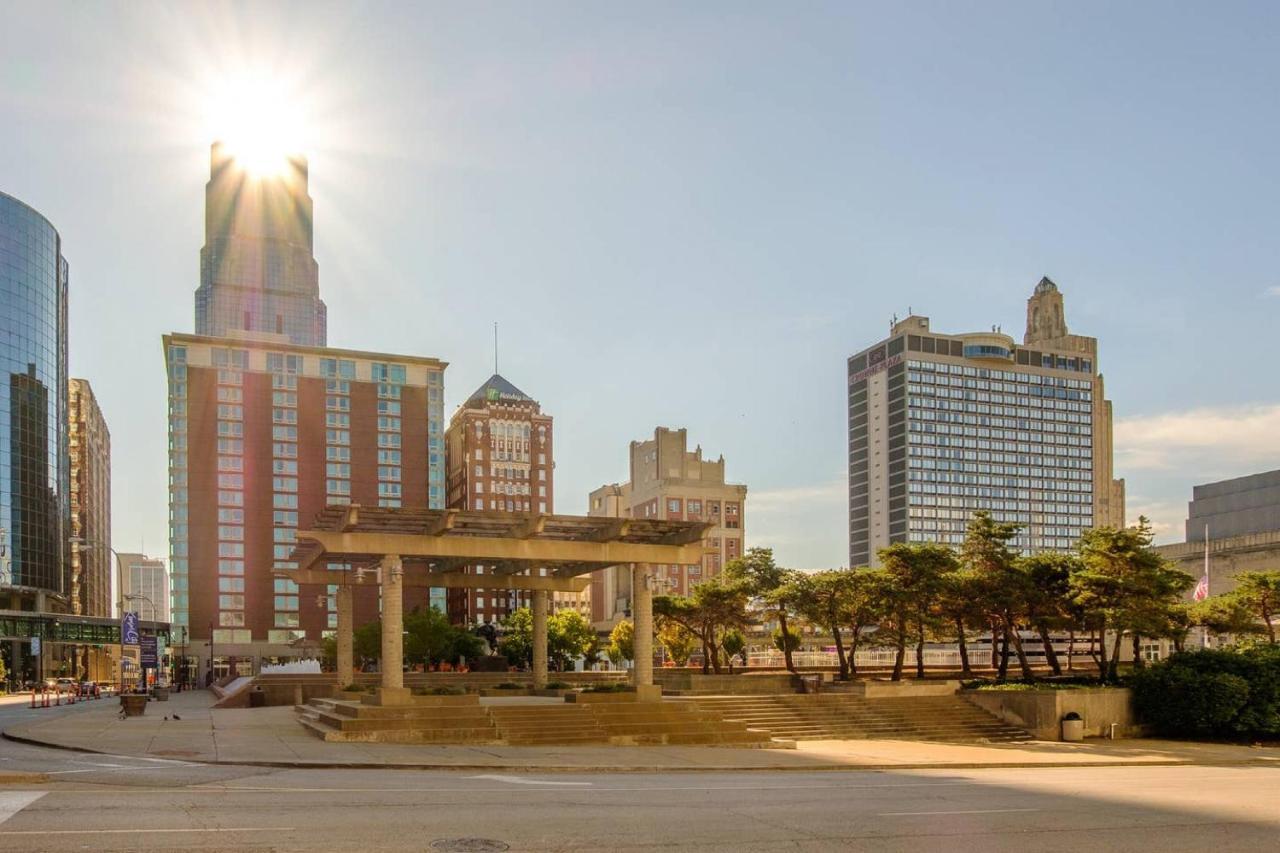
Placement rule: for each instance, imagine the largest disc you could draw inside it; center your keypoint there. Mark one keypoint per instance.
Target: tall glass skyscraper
(34, 468)
(257, 270)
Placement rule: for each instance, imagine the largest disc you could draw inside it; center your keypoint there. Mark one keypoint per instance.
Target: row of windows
(998, 468)
(1008, 435)
(925, 443)
(988, 373)
(1072, 480)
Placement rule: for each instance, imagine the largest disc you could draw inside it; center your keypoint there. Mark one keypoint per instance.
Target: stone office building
(669, 482)
(941, 425)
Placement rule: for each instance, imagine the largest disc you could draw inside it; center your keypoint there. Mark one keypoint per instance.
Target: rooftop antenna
(495, 348)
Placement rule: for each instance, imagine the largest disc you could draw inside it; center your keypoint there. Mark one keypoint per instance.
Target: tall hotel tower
(257, 270)
(943, 425)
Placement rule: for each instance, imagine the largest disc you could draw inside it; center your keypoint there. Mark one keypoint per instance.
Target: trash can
(1072, 727)
(811, 683)
(257, 699)
(161, 693)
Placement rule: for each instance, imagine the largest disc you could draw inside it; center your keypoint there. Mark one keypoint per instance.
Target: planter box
(447, 701)
(1040, 712)
(351, 695)
(161, 693)
(134, 704)
(494, 691)
(600, 698)
(553, 692)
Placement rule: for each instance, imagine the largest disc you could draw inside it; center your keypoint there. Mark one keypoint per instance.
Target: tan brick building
(668, 481)
(90, 444)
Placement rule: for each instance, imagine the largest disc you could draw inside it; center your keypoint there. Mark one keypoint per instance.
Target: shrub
(442, 691)
(615, 687)
(558, 685)
(509, 685)
(352, 688)
(1226, 693)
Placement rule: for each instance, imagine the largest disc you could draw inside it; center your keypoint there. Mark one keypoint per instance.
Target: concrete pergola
(538, 553)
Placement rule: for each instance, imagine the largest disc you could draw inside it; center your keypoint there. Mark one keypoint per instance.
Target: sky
(688, 214)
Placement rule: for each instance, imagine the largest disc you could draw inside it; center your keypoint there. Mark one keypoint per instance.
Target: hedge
(1217, 693)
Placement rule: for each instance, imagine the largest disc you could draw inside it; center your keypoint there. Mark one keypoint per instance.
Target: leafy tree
(429, 639)
(961, 606)
(773, 587)
(714, 606)
(825, 598)
(622, 642)
(569, 636)
(917, 572)
(1225, 614)
(1046, 591)
(517, 637)
(1123, 585)
(734, 644)
(677, 640)
(1261, 592)
(987, 553)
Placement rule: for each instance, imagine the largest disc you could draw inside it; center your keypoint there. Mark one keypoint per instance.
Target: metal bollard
(33, 697)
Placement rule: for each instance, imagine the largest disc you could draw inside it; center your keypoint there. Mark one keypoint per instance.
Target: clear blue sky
(690, 214)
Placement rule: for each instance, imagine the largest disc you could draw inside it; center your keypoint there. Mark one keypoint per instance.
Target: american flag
(1202, 589)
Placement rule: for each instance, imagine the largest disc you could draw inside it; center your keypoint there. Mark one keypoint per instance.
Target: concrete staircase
(617, 723)
(336, 720)
(847, 716)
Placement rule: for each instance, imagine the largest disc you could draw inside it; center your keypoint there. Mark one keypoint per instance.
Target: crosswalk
(12, 802)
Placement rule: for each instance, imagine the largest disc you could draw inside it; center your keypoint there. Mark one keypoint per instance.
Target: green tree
(917, 573)
(516, 643)
(987, 553)
(1123, 585)
(773, 588)
(714, 606)
(677, 640)
(961, 606)
(733, 644)
(825, 599)
(622, 642)
(1225, 614)
(1261, 592)
(1047, 592)
(569, 636)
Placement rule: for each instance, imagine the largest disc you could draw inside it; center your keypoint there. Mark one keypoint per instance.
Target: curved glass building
(34, 462)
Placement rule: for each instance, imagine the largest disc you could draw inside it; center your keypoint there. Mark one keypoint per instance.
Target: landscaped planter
(351, 695)
(553, 692)
(505, 691)
(600, 698)
(1040, 712)
(445, 700)
(161, 693)
(134, 704)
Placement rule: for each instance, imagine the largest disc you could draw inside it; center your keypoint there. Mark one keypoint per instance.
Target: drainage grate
(469, 845)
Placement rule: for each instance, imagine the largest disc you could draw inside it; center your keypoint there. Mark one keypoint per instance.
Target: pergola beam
(456, 580)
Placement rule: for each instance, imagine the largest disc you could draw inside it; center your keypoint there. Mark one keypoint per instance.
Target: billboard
(129, 629)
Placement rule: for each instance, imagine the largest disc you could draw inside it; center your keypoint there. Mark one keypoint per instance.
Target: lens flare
(258, 120)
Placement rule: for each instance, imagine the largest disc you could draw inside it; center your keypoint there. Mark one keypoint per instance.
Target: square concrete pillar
(392, 691)
(539, 639)
(642, 620)
(346, 637)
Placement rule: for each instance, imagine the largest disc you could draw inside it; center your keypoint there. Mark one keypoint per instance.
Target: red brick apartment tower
(499, 457)
(263, 435)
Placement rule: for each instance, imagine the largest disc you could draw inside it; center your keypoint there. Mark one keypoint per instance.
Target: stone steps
(848, 716)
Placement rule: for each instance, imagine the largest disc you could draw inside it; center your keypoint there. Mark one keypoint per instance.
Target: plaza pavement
(271, 737)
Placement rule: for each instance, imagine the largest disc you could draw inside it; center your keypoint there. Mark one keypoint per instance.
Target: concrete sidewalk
(272, 737)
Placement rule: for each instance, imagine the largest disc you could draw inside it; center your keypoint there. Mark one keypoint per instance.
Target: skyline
(792, 248)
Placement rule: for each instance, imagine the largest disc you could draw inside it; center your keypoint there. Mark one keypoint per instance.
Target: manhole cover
(469, 845)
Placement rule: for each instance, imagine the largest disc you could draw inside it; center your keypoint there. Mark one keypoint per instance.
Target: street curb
(19, 777)
(614, 768)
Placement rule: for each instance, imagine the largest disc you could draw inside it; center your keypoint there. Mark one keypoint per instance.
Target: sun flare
(259, 121)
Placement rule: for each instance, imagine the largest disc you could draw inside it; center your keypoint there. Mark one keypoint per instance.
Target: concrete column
(346, 636)
(642, 619)
(540, 638)
(393, 691)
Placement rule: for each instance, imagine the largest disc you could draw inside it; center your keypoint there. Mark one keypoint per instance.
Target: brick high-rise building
(670, 482)
(943, 425)
(90, 443)
(263, 434)
(500, 459)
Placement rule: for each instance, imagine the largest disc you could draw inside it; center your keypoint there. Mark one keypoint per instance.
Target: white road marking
(141, 831)
(12, 802)
(516, 780)
(965, 811)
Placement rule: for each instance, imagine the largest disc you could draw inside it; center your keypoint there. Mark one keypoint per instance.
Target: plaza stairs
(533, 724)
(848, 716)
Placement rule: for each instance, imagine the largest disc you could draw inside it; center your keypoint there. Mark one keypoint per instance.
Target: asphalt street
(105, 802)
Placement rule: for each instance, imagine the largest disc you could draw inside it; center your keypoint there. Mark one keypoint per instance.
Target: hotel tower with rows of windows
(942, 425)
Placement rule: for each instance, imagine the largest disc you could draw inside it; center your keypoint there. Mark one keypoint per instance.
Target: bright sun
(259, 121)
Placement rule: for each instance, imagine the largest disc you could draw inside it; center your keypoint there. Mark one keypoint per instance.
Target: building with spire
(258, 272)
(942, 425)
(499, 457)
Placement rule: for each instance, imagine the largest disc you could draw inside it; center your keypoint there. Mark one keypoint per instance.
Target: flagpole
(1204, 636)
